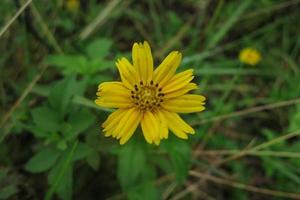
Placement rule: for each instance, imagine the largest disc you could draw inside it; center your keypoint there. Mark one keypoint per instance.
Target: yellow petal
(185, 104)
(157, 142)
(142, 61)
(181, 91)
(163, 126)
(130, 126)
(112, 121)
(179, 127)
(113, 95)
(114, 88)
(118, 129)
(149, 61)
(179, 81)
(166, 70)
(112, 117)
(128, 73)
(150, 127)
(114, 102)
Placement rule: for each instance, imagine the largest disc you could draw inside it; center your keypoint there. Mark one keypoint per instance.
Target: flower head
(250, 56)
(151, 98)
(73, 5)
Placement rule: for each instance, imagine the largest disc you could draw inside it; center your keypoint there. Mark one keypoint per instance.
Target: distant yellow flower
(73, 5)
(250, 56)
(150, 98)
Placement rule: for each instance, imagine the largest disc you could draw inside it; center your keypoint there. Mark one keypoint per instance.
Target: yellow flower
(250, 56)
(73, 5)
(149, 98)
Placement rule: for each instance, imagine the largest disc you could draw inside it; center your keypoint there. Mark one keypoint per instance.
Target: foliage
(54, 57)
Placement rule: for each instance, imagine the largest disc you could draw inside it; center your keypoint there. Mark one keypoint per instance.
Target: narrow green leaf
(278, 167)
(294, 122)
(60, 177)
(227, 25)
(88, 103)
(65, 186)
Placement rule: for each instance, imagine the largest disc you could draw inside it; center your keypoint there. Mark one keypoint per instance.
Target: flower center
(147, 96)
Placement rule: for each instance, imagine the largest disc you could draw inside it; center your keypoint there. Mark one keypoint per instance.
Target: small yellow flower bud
(73, 5)
(250, 56)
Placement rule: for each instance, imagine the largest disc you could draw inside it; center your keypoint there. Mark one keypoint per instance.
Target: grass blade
(228, 24)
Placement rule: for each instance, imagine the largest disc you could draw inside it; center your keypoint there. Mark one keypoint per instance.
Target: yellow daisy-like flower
(73, 5)
(250, 56)
(149, 98)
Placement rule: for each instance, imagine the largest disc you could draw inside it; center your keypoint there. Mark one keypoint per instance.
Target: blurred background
(245, 56)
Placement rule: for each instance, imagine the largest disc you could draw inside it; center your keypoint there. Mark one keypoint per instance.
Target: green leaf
(43, 160)
(100, 65)
(99, 48)
(61, 95)
(144, 191)
(82, 151)
(93, 159)
(134, 173)
(98, 78)
(144, 187)
(131, 163)
(69, 64)
(8, 191)
(37, 131)
(164, 164)
(80, 121)
(180, 154)
(62, 145)
(46, 119)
